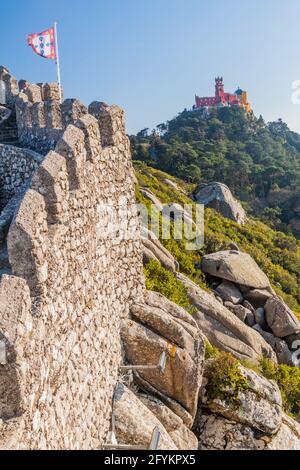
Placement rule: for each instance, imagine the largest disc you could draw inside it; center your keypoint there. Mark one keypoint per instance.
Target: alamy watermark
(119, 222)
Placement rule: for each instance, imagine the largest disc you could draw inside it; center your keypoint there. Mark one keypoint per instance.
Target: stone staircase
(9, 137)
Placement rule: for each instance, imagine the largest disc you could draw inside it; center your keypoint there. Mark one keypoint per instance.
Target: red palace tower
(221, 98)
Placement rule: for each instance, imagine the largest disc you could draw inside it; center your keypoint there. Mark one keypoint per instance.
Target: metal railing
(153, 445)
(156, 434)
(161, 366)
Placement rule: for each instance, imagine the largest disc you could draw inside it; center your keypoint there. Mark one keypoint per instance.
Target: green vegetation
(223, 372)
(160, 280)
(210, 351)
(154, 181)
(288, 380)
(277, 253)
(259, 162)
(225, 379)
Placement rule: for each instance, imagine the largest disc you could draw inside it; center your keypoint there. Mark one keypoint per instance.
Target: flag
(43, 43)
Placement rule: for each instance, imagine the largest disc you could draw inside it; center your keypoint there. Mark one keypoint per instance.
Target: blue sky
(152, 56)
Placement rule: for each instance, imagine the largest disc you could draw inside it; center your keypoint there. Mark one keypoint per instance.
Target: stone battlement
(42, 119)
(9, 88)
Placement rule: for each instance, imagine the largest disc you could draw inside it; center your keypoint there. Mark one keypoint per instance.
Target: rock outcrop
(134, 421)
(280, 318)
(245, 290)
(181, 435)
(254, 420)
(152, 198)
(222, 328)
(159, 325)
(219, 197)
(279, 346)
(237, 267)
(229, 292)
(173, 185)
(259, 407)
(154, 250)
(219, 433)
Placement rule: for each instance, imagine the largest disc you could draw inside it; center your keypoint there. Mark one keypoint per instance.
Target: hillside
(277, 253)
(260, 162)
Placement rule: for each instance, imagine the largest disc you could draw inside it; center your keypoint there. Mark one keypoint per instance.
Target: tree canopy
(260, 162)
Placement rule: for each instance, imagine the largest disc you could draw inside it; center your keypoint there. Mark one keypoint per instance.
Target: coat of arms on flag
(43, 43)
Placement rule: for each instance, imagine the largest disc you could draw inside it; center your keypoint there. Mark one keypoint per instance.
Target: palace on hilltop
(221, 98)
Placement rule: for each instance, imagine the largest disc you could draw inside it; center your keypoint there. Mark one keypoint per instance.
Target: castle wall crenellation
(41, 123)
(9, 88)
(76, 261)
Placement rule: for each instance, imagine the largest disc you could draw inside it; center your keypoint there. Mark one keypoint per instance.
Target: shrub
(210, 351)
(225, 379)
(288, 380)
(160, 280)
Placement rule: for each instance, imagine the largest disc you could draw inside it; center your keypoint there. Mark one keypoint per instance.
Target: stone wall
(76, 271)
(16, 167)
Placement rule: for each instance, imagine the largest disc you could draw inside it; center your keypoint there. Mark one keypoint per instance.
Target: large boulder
(174, 405)
(280, 318)
(283, 353)
(237, 267)
(229, 292)
(219, 197)
(181, 435)
(134, 422)
(160, 325)
(222, 328)
(288, 437)
(219, 433)
(257, 297)
(259, 406)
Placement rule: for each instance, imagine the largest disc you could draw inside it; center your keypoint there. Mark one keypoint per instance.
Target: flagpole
(57, 62)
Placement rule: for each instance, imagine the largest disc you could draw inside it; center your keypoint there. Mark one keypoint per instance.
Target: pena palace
(221, 98)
